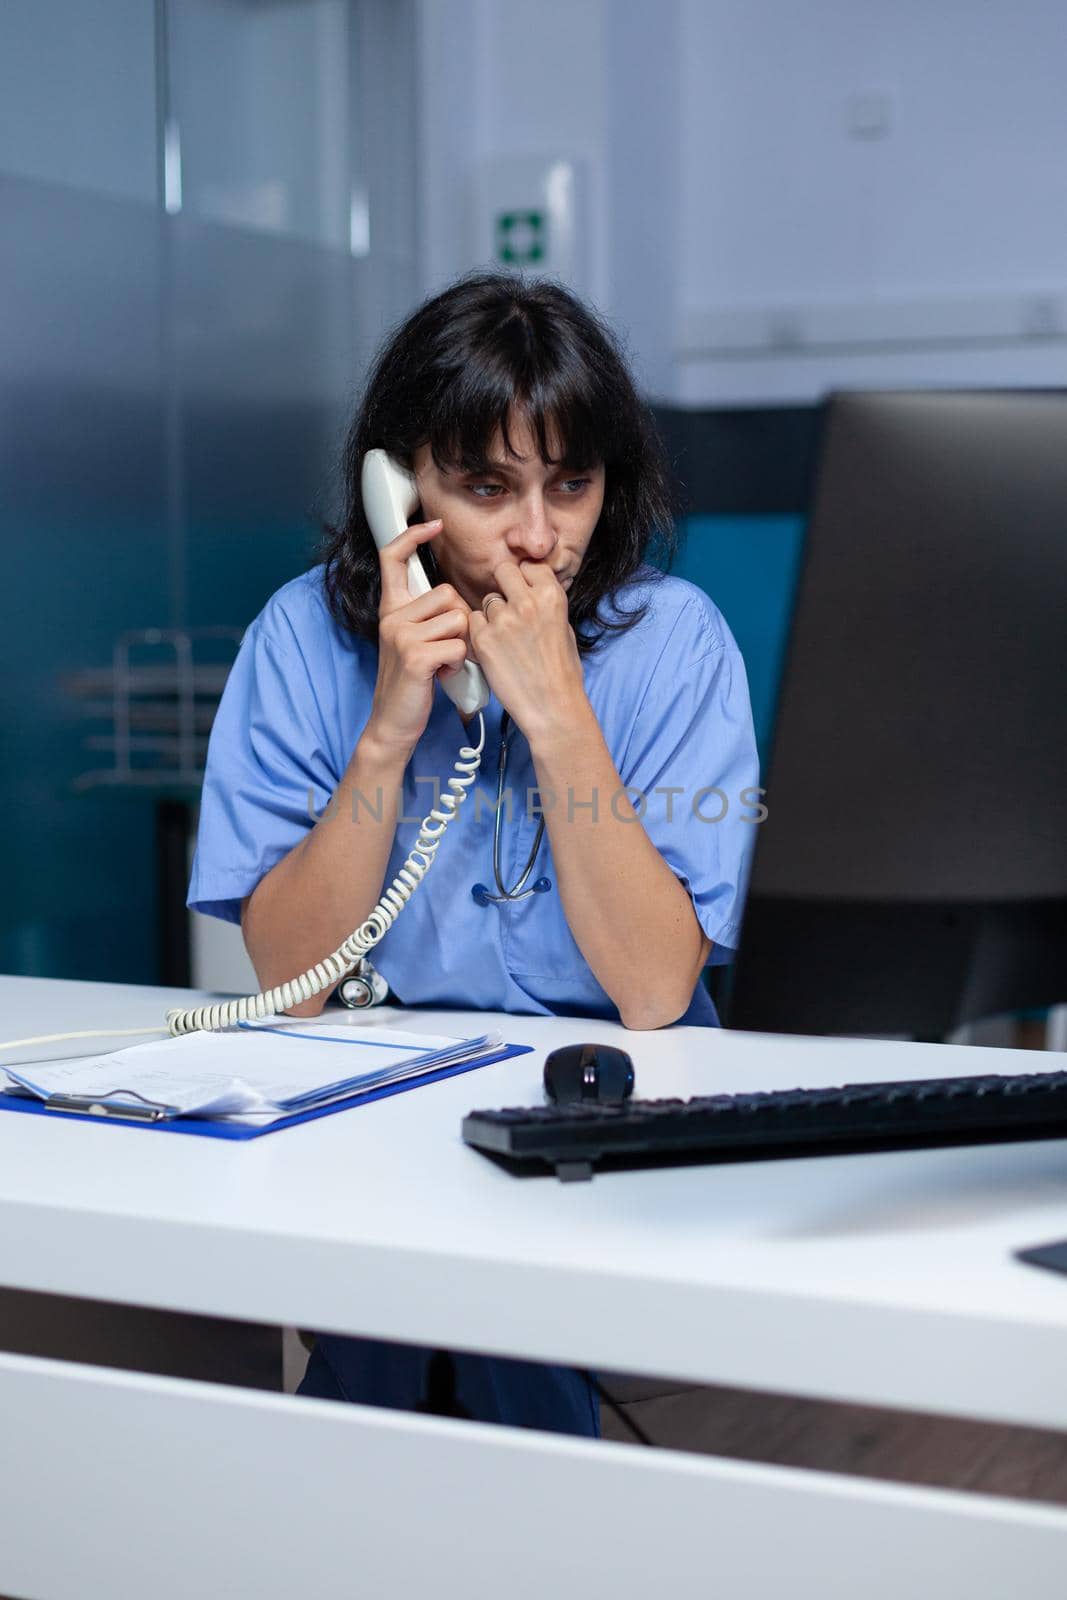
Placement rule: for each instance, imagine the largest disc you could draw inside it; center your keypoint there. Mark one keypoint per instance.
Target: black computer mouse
(589, 1072)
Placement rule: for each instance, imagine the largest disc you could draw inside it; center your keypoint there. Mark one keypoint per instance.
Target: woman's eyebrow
(507, 471)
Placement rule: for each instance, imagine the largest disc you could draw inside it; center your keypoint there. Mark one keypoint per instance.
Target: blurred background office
(211, 210)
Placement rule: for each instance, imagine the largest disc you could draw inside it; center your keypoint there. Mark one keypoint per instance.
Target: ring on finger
(488, 601)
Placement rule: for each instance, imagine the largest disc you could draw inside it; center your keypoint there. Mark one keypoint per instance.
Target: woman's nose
(532, 535)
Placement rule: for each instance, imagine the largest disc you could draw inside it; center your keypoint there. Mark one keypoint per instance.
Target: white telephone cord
(331, 970)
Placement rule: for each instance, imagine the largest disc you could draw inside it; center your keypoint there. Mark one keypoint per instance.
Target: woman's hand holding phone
(418, 640)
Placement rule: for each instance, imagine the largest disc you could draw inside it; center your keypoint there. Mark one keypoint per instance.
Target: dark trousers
(403, 1377)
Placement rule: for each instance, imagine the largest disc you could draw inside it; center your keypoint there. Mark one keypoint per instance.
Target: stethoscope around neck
(479, 893)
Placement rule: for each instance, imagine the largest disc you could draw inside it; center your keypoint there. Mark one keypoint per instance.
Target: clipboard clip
(95, 1105)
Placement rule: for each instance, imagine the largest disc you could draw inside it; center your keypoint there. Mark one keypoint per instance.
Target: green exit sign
(521, 236)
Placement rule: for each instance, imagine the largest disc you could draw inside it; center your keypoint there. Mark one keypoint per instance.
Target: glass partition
(186, 307)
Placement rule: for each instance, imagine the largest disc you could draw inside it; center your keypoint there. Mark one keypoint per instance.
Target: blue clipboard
(209, 1128)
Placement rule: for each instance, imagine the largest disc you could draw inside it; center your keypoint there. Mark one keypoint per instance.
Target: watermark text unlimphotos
(670, 803)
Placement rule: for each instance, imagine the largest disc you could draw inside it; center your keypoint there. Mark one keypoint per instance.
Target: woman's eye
(486, 491)
(575, 485)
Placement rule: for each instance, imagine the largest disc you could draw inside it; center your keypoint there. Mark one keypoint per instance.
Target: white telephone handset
(390, 496)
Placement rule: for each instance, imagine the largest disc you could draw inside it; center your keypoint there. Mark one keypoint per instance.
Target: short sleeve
(269, 774)
(692, 757)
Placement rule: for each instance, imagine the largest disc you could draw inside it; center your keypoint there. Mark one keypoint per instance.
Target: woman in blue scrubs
(621, 693)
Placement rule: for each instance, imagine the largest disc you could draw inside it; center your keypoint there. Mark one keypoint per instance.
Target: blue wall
(749, 565)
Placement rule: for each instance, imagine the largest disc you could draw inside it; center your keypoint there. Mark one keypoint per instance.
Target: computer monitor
(912, 871)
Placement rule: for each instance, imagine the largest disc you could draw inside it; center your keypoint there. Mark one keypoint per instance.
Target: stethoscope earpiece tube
(479, 893)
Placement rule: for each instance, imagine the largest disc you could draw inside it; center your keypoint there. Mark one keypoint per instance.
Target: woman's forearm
(310, 902)
(630, 916)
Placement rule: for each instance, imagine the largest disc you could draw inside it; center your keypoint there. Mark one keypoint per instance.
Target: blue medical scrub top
(671, 698)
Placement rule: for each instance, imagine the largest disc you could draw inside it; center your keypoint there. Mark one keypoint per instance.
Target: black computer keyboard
(572, 1140)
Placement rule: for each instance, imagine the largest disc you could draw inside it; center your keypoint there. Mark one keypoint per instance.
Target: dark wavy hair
(452, 374)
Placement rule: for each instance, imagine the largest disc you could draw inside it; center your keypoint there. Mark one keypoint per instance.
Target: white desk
(883, 1279)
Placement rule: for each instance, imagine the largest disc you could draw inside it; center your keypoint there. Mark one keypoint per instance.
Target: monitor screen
(920, 748)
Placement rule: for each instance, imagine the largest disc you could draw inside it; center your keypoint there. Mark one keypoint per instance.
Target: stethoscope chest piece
(363, 987)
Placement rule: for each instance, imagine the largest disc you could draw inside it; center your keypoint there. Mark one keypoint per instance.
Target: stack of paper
(258, 1072)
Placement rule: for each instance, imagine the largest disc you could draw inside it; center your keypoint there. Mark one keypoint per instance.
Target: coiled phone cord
(332, 969)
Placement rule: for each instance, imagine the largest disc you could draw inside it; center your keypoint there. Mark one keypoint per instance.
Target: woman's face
(518, 510)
